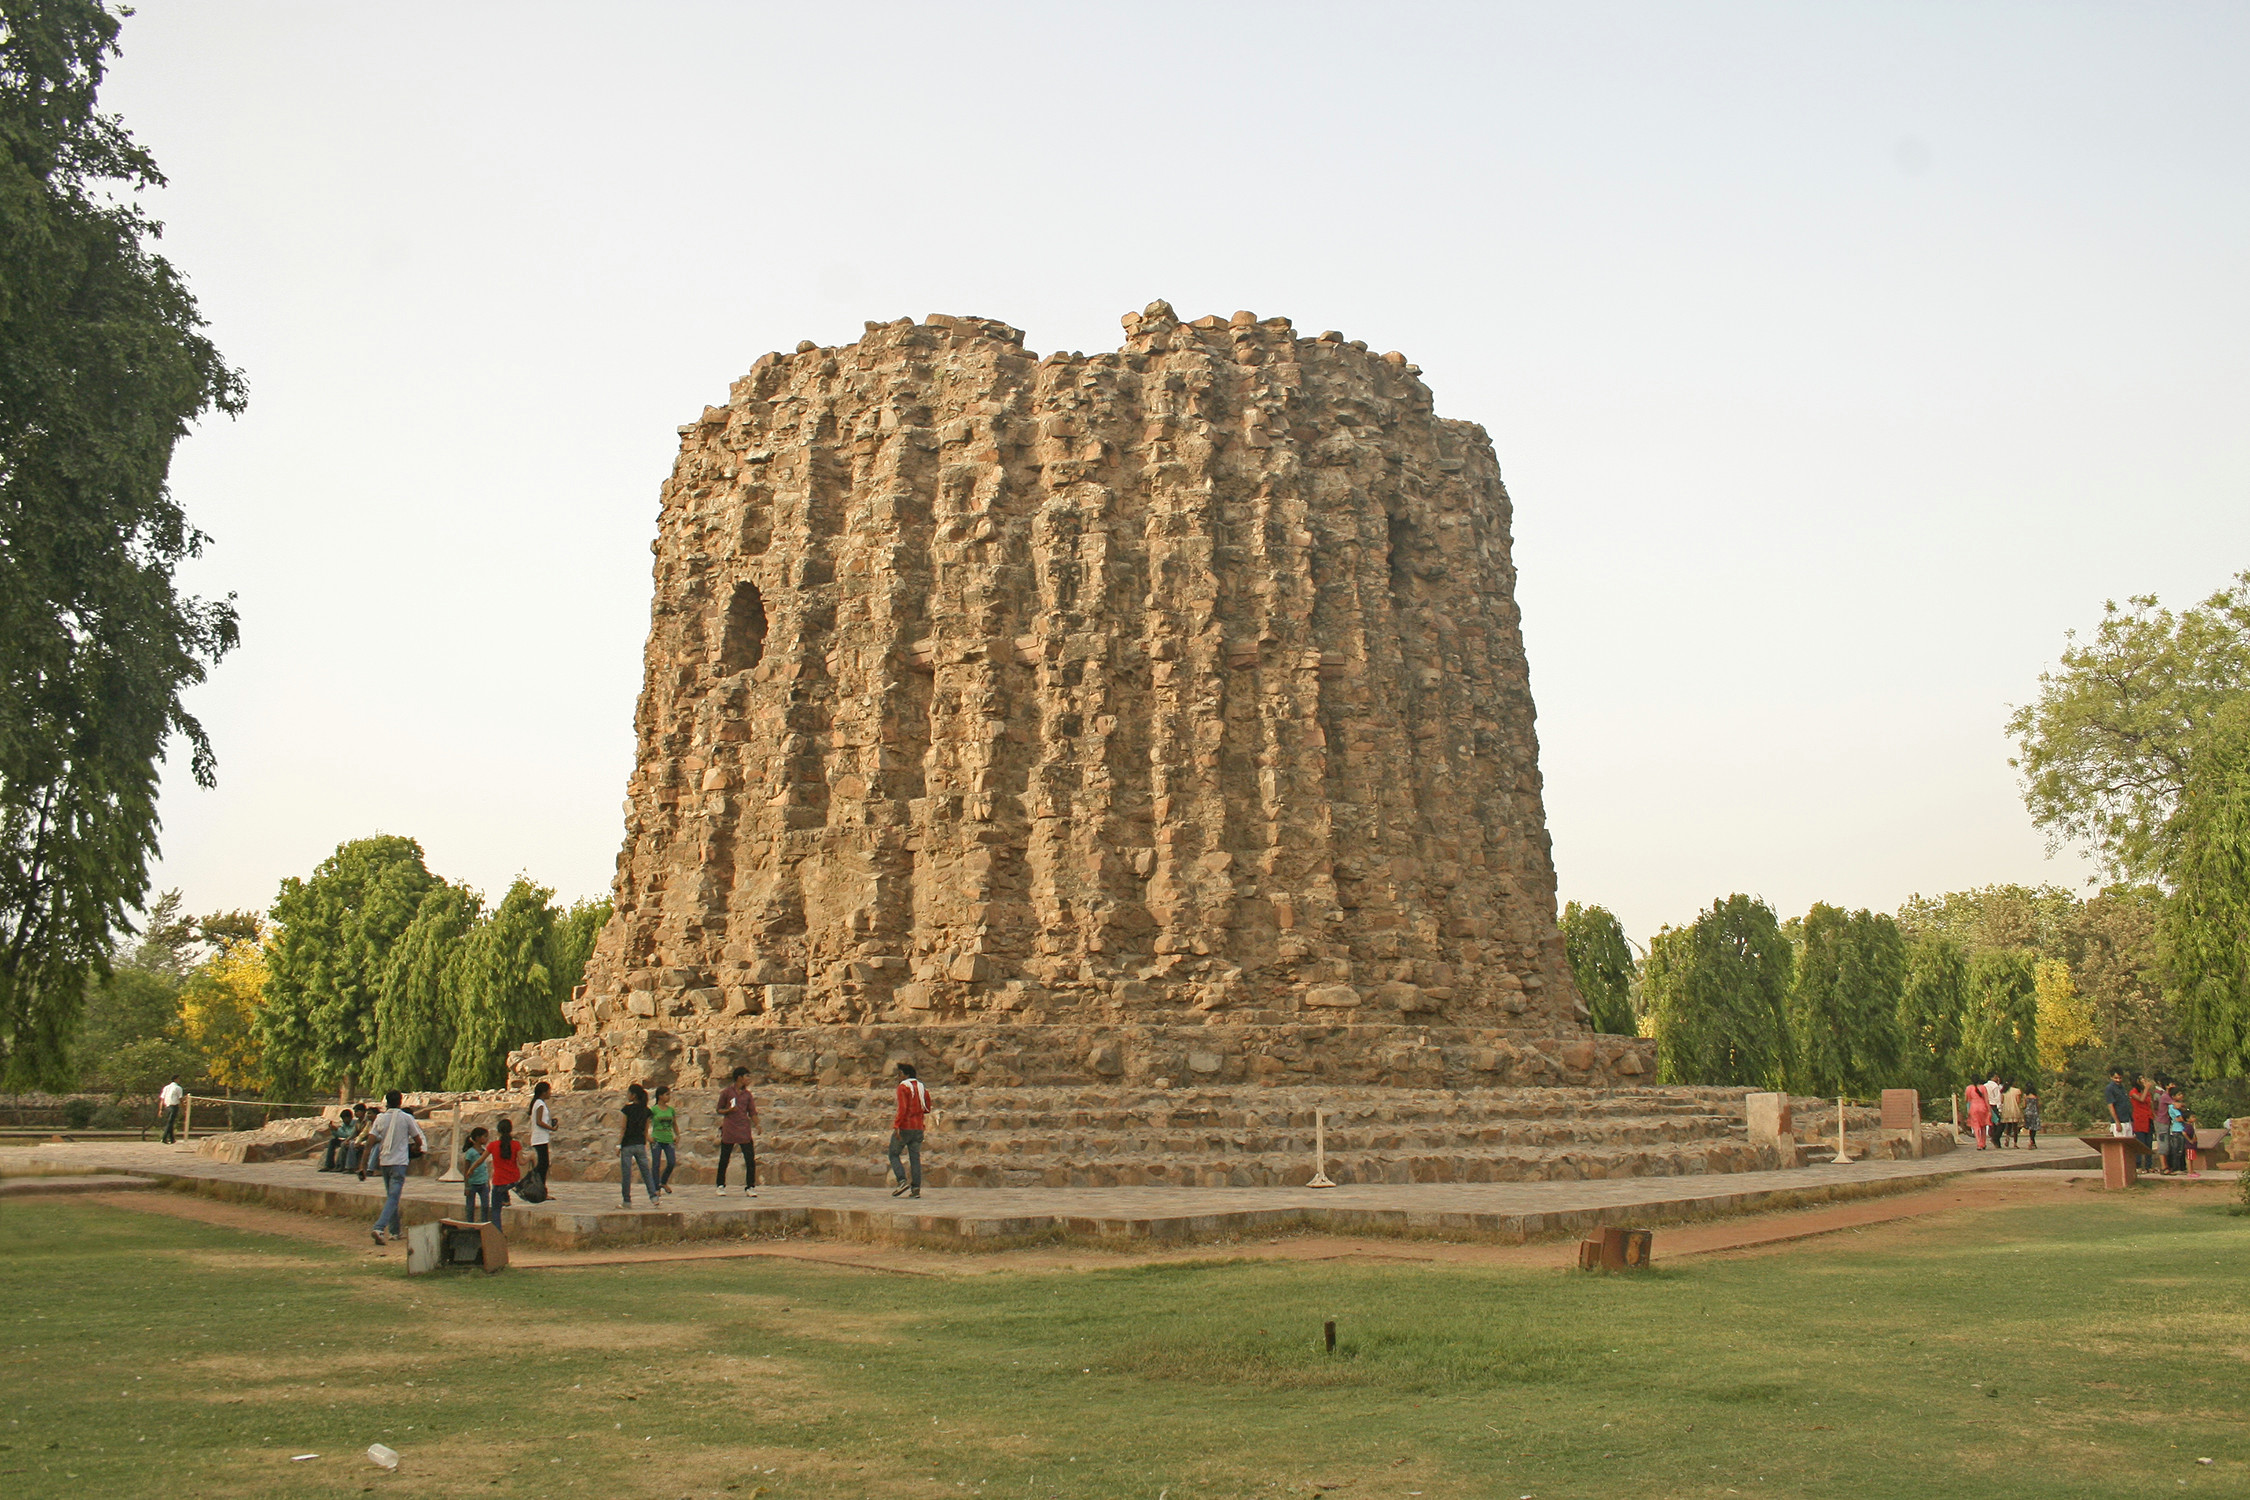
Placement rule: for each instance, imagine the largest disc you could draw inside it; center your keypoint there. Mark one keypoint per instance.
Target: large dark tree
(102, 369)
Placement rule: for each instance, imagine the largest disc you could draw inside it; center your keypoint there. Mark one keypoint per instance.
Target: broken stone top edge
(1140, 328)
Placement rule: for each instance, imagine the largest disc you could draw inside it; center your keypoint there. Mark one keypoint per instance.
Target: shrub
(76, 1113)
(110, 1117)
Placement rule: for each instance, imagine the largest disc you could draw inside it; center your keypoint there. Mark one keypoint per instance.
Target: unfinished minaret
(1159, 714)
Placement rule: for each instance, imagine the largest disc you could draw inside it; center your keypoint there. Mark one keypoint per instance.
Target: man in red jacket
(906, 1131)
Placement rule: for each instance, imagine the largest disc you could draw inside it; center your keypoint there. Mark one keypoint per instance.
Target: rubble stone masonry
(1150, 715)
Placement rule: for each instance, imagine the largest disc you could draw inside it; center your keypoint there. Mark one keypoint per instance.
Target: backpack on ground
(531, 1187)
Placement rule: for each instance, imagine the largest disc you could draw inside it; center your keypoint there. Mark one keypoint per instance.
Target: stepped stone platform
(1079, 1137)
(587, 1215)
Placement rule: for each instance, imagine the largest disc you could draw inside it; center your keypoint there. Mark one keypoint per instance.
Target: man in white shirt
(169, 1099)
(397, 1133)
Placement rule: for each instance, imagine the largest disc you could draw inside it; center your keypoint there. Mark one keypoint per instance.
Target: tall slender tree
(317, 1026)
(508, 993)
(2000, 1033)
(1601, 959)
(1931, 1009)
(418, 1006)
(103, 367)
(1844, 1002)
(1717, 992)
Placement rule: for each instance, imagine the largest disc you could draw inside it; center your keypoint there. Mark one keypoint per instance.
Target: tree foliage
(1600, 959)
(1931, 1010)
(2207, 926)
(102, 369)
(2000, 1032)
(509, 992)
(219, 1006)
(1717, 992)
(416, 1013)
(1844, 1002)
(336, 933)
(2104, 751)
(2066, 1020)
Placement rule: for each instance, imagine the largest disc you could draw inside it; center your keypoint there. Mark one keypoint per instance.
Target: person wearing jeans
(632, 1146)
(396, 1133)
(738, 1129)
(906, 1132)
(662, 1138)
(542, 1125)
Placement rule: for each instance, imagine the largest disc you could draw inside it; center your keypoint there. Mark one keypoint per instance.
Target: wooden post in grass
(1328, 1330)
(1320, 1170)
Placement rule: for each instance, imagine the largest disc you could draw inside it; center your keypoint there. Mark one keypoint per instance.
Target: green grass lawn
(2094, 1347)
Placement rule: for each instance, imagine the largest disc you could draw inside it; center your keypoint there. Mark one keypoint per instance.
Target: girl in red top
(507, 1165)
(906, 1131)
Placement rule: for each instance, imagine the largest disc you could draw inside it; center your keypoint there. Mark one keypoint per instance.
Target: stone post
(1771, 1124)
(1902, 1119)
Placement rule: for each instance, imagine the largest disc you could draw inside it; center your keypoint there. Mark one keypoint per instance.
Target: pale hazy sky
(1839, 358)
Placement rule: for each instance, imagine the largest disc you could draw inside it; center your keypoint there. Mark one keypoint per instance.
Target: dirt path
(1859, 1224)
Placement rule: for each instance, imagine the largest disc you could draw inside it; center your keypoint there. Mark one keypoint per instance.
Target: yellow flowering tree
(219, 1012)
(2066, 1018)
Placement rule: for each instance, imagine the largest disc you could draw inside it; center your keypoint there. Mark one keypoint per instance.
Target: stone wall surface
(1154, 713)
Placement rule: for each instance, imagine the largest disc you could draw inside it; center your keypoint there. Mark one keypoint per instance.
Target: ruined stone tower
(1160, 714)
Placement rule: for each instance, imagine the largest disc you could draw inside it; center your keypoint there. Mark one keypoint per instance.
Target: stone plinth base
(1129, 1053)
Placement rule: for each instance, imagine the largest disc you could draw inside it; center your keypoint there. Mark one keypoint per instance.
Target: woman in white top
(542, 1125)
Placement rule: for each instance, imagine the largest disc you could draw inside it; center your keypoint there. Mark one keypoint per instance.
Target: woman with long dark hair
(632, 1146)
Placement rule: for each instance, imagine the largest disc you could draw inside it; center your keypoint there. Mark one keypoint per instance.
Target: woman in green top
(663, 1135)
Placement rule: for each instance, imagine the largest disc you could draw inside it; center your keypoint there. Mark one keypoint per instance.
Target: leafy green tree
(1995, 916)
(2207, 926)
(102, 369)
(2000, 1033)
(508, 993)
(575, 933)
(1718, 992)
(1601, 959)
(336, 933)
(1931, 1011)
(1844, 1002)
(417, 1011)
(2104, 752)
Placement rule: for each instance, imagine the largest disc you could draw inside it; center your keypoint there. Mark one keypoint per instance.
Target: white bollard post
(452, 1172)
(1320, 1151)
(1843, 1147)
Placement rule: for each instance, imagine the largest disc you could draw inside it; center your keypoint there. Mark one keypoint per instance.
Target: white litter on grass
(298, 1458)
(381, 1456)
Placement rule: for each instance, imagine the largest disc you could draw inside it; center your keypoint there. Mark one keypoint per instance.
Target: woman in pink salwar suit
(1980, 1114)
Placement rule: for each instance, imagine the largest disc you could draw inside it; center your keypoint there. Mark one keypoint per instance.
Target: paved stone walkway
(584, 1214)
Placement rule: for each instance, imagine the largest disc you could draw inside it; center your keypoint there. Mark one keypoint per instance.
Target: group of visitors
(495, 1165)
(2155, 1113)
(648, 1143)
(2002, 1115)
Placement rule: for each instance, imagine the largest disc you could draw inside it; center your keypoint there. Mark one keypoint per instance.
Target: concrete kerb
(962, 1228)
